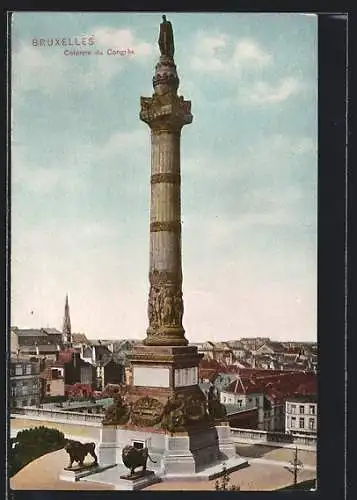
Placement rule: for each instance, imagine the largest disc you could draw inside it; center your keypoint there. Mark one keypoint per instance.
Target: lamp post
(295, 466)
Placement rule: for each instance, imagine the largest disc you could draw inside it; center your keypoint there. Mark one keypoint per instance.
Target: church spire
(67, 334)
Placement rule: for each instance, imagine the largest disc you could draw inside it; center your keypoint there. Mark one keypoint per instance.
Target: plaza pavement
(42, 474)
(265, 472)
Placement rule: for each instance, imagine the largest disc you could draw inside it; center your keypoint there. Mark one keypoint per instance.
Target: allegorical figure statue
(166, 38)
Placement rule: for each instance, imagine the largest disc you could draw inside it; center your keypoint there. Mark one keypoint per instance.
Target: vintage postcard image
(163, 251)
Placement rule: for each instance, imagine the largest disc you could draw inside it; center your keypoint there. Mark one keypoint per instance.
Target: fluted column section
(165, 212)
(165, 307)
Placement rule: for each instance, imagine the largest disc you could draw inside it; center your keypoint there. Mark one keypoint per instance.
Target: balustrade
(52, 414)
(274, 437)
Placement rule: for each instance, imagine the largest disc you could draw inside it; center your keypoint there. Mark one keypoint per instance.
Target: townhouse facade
(25, 384)
(52, 381)
(301, 415)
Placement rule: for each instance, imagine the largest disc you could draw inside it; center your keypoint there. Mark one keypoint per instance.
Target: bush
(33, 443)
(222, 484)
(54, 399)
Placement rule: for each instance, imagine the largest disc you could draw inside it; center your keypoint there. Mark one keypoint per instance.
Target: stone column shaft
(165, 113)
(165, 211)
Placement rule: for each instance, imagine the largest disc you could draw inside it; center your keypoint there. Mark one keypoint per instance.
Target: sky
(81, 168)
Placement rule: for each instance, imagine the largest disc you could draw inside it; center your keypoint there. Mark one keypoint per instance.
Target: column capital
(167, 112)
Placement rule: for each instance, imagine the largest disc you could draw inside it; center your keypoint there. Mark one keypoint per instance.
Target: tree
(30, 444)
(222, 484)
(295, 466)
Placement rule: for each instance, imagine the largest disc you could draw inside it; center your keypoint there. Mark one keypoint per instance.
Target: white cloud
(221, 232)
(266, 193)
(247, 52)
(120, 142)
(235, 59)
(265, 93)
(212, 54)
(70, 174)
(33, 69)
(67, 175)
(111, 38)
(50, 71)
(207, 56)
(268, 155)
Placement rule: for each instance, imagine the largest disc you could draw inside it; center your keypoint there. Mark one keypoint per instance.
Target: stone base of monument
(81, 471)
(136, 482)
(212, 471)
(198, 455)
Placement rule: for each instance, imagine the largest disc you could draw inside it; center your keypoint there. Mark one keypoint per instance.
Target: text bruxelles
(82, 41)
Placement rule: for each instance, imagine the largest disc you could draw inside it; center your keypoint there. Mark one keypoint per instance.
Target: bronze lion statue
(134, 457)
(78, 451)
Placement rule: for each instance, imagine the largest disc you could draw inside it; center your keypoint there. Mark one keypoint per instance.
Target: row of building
(47, 363)
(262, 353)
(270, 400)
(276, 401)
(264, 384)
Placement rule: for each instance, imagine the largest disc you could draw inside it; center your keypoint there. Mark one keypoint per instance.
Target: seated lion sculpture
(78, 451)
(133, 457)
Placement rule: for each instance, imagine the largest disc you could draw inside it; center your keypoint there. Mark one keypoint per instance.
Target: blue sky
(81, 169)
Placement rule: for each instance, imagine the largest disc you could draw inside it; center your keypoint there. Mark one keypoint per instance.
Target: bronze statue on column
(166, 39)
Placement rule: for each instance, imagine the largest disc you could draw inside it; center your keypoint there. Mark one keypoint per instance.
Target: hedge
(54, 399)
(31, 444)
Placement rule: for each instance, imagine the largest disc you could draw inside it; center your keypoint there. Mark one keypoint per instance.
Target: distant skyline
(81, 165)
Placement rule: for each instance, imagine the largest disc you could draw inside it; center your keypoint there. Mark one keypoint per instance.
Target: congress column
(165, 113)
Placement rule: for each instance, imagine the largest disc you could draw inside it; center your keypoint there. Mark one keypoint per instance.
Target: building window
(301, 423)
(293, 422)
(293, 408)
(28, 369)
(302, 409)
(18, 370)
(48, 387)
(312, 409)
(311, 424)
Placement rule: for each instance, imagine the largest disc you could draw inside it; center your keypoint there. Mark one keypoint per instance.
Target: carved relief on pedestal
(117, 413)
(180, 411)
(146, 411)
(165, 306)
